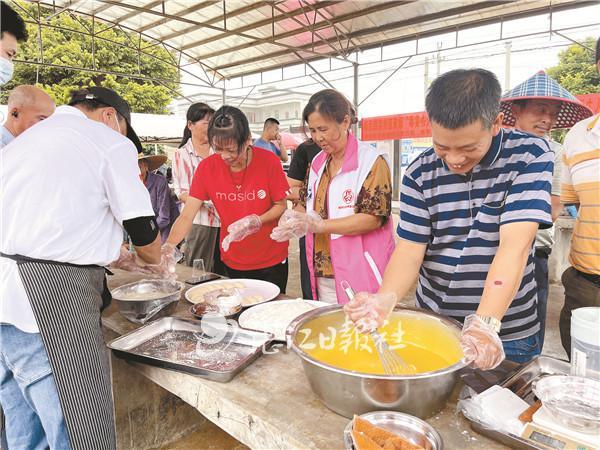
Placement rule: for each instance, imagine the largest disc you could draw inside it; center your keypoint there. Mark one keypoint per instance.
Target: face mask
(118, 126)
(6, 71)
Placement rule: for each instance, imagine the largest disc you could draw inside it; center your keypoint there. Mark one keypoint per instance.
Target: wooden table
(269, 405)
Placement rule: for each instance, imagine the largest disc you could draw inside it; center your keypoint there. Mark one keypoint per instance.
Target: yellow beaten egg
(424, 342)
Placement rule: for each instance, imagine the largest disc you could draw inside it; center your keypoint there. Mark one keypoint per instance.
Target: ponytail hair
(196, 112)
(229, 124)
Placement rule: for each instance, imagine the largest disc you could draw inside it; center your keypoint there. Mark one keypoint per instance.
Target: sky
(405, 90)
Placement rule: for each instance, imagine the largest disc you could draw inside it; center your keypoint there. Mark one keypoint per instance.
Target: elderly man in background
(537, 106)
(27, 105)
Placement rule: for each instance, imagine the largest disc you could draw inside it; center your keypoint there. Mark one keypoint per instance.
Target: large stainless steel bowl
(347, 392)
(141, 300)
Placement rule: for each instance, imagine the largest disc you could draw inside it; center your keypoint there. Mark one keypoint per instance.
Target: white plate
(276, 316)
(248, 288)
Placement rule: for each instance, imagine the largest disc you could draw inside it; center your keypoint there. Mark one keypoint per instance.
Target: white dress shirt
(67, 185)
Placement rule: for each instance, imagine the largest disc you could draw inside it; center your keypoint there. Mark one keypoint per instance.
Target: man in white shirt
(69, 187)
(27, 105)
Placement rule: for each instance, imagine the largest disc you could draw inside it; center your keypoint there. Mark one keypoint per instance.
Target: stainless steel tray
(212, 349)
(520, 383)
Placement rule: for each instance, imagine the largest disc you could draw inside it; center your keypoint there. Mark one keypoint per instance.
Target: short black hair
(597, 50)
(12, 23)
(229, 123)
(460, 97)
(270, 121)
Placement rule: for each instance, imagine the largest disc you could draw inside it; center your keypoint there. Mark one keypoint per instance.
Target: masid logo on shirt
(261, 194)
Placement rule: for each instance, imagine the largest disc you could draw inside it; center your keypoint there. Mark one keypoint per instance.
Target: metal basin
(141, 300)
(416, 431)
(348, 392)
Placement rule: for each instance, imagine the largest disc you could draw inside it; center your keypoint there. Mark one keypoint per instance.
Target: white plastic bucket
(585, 342)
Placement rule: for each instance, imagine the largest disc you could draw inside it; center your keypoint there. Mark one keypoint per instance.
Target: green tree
(576, 70)
(69, 48)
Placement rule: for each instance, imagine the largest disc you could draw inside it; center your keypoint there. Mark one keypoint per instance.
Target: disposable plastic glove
(294, 224)
(127, 261)
(241, 229)
(480, 344)
(169, 256)
(369, 311)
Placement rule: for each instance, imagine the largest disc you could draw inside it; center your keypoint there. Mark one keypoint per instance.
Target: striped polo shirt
(581, 184)
(459, 218)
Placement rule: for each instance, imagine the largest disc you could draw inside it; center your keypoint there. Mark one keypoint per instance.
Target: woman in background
(248, 188)
(345, 204)
(202, 241)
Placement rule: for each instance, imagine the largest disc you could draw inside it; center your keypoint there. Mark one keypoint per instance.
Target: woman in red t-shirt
(248, 188)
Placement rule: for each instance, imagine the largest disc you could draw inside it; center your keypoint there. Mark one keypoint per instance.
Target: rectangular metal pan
(520, 383)
(188, 346)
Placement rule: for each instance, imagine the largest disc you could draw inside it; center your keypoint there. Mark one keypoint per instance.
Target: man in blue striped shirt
(469, 211)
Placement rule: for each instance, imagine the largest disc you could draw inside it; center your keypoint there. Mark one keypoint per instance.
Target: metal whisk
(392, 362)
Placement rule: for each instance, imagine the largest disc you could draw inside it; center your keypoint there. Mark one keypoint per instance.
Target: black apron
(67, 301)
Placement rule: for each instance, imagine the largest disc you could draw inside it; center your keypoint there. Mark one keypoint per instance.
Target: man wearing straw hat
(160, 194)
(537, 106)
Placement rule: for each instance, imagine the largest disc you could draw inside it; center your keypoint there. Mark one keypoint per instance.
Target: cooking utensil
(275, 317)
(348, 392)
(410, 428)
(521, 384)
(572, 401)
(212, 349)
(140, 301)
(392, 362)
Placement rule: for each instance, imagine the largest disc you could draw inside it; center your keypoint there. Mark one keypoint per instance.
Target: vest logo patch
(348, 196)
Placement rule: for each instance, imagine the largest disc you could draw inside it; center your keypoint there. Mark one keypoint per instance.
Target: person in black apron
(70, 186)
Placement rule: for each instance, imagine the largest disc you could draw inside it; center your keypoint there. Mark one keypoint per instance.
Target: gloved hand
(294, 224)
(369, 311)
(127, 261)
(169, 256)
(241, 229)
(480, 344)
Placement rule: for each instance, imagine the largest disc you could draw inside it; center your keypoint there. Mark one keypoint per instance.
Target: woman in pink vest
(348, 196)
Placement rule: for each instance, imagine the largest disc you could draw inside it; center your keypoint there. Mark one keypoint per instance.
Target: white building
(284, 105)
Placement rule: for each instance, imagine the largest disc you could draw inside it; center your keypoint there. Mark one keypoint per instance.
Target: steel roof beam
(184, 12)
(379, 28)
(318, 26)
(101, 9)
(441, 30)
(170, 47)
(137, 13)
(234, 13)
(252, 26)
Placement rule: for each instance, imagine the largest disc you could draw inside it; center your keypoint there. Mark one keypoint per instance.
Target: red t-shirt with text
(239, 194)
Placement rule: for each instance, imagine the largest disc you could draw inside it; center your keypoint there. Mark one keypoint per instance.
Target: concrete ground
(211, 437)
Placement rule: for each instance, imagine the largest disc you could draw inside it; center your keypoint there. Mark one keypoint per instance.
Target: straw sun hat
(541, 86)
(153, 161)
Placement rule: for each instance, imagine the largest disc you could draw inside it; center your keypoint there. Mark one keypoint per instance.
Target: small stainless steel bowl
(410, 428)
(201, 310)
(134, 307)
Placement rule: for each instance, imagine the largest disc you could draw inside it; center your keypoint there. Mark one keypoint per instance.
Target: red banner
(416, 125)
(592, 101)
